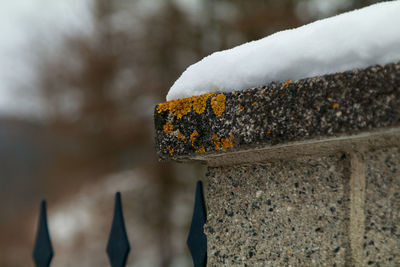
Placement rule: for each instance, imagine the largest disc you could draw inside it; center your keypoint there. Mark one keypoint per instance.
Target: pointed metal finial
(197, 240)
(43, 250)
(118, 244)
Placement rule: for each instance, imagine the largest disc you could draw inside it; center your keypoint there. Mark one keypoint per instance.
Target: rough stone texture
(303, 173)
(357, 204)
(382, 208)
(332, 105)
(377, 138)
(283, 213)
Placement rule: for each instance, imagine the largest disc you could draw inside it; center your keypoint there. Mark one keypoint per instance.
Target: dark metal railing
(197, 240)
(118, 246)
(43, 251)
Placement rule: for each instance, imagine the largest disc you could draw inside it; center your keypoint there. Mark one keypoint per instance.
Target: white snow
(356, 39)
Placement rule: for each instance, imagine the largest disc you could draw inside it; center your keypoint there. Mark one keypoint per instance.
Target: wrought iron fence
(118, 246)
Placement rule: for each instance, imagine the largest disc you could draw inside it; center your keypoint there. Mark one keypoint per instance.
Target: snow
(355, 39)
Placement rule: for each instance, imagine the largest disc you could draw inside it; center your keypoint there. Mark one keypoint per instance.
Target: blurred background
(79, 80)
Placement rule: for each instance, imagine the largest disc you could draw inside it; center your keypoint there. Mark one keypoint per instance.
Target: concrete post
(303, 173)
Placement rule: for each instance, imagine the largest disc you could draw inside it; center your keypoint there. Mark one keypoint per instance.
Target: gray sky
(24, 24)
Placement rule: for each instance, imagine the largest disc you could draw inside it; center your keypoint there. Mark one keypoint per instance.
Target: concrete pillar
(302, 173)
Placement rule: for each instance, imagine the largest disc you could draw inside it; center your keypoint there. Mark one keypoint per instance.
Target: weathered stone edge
(332, 105)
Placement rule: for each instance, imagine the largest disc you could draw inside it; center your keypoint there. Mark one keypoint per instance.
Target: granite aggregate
(382, 208)
(331, 105)
(285, 213)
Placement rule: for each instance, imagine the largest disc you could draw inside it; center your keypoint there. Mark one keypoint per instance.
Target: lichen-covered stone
(332, 105)
(300, 173)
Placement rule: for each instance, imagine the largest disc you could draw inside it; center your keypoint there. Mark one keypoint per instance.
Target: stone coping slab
(330, 106)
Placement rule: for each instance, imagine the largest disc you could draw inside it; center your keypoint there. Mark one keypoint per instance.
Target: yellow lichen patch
(335, 105)
(287, 82)
(218, 104)
(254, 103)
(226, 143)
(181, 107)
(193, 136)
(236, 93)
(168, 127)
(170, 150)
(162, 107)
(200, 102)
(223, 143)
(268, 131)
(180, 136)
(216, 142)
(201, 150)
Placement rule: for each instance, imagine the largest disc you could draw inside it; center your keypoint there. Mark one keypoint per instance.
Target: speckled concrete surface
(284, 213)
(332, 105)
(302, 173)
(382, 208)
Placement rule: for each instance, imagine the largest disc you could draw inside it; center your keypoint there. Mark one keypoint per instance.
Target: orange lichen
(254, 103)
(223, 143)
(335, 105)
(218, 104)
(268, 131)
(287, 82)
(236, 93)
(181, 107)
(241, 107)
(193, 136)
(216, 142)
(226, 143)
(318, 107)
(180, 136)
(201, 150)
(168, 127)
(162, 107)
(170, 150)
(200, 102)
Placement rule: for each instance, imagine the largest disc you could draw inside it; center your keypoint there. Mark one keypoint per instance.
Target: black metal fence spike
(43, 250)
(197, 240)
(118, 244)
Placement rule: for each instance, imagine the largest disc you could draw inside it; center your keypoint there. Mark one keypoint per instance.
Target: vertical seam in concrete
(357, 205)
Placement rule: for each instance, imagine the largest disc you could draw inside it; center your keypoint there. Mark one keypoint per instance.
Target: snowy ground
(356, 39)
